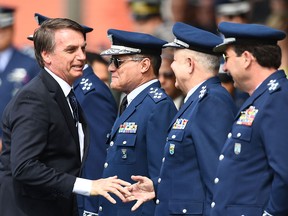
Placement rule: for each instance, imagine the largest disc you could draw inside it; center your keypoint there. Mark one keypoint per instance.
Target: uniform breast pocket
(125, 147)
(174, 147)
(240, 143)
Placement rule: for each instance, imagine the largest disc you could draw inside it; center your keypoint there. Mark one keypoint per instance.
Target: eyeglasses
(117, 62)
(167, 75)
(225, 57)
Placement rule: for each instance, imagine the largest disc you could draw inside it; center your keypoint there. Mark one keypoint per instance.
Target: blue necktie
(74, 106)
(123, 105)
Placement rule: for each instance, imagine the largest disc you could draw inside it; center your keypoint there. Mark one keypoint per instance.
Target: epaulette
(157, 94)
(86, 85)
(273, 86)
(203, 92)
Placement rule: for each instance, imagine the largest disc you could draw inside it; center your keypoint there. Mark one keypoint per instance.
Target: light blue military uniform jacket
(136, 145)
(196, 137)
(20, 70)
(253, 171)
(100, 110)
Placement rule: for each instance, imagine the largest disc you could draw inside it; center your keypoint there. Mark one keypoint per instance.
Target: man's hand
(112, 184)
(142, 191)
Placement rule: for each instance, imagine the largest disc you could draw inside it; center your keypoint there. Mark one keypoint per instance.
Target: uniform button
(151, 88)
(111, 143)
(216, 180)
(229, 135)
(100, 208)
(163, 159)
(212, 204)
(106, 165)
(157, 201)
(174, 136)
(184, 211)
(239, 134)
(221, 157)
(159, 180)
(124, 142)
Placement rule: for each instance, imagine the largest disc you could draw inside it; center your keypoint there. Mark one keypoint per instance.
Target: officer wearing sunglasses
(137, 139)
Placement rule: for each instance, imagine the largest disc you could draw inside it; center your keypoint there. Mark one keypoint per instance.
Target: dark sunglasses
(168, 75)
(117, 62)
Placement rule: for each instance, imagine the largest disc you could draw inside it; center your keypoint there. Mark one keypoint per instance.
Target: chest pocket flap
(242, 132)
(175, 135)
(126, 140)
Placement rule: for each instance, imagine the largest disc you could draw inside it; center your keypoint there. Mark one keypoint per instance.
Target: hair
(156, 61)
(44, 36)
(266, 55)
(208, 61)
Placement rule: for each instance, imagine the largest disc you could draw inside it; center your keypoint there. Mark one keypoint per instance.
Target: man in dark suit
(45, 134)
(138, 135)
(252, 175)
(16, 68)
(197, 132)
(100, 110)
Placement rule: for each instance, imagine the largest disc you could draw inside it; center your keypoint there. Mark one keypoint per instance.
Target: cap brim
(222, 47)
(120, 50)
(172, 44)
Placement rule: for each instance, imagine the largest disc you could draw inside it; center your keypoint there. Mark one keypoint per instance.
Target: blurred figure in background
(147, 18)
(232, 11)
(99, 65)
(199, 13)
(16, 68)
(278, 19)
(167, 78)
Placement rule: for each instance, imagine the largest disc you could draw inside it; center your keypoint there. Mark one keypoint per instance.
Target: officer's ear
(145, 64)
(190, 64)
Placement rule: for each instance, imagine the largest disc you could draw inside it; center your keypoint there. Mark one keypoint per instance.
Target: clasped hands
(142, 190)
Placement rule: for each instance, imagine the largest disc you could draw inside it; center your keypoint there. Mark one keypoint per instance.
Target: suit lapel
(57, 93)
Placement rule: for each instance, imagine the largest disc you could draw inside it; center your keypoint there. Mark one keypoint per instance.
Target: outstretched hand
(112, 184)
(142, 191)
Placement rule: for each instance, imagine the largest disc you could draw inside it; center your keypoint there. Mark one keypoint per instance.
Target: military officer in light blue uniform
(137, 139)
(16, 68)
(198, 131)
(252, 176)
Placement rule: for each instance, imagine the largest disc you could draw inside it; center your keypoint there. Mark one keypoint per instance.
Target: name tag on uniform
(180, 123)
(247, 117)
(128, 127)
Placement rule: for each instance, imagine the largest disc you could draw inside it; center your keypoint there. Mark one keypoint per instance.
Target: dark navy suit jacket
(41, 154)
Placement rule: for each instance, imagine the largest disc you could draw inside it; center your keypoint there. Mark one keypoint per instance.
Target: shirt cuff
(82, 186)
